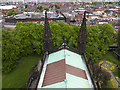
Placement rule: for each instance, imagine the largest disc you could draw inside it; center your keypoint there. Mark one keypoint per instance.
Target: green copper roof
(56, 56)
(71, 58)
(71, 81)
(76, 82)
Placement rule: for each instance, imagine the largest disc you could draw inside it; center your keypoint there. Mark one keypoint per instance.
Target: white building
(7, 7)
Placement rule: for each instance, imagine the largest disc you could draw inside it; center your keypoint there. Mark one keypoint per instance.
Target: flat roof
(7, 7)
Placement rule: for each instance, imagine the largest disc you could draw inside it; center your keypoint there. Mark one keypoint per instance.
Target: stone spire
(82, 37)
(47, 37)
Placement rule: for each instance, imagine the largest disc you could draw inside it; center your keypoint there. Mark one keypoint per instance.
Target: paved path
(115, 80)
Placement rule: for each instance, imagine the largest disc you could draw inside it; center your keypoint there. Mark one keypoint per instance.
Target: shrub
(109, 62)
(112, 68)
(104, 68)
(101, 62)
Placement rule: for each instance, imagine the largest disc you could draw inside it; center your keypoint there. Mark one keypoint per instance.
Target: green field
(110, 57)
(18, 77)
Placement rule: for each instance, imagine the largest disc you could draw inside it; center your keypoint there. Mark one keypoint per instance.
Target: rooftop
(36, 15)
(7, 7)
(65, 69)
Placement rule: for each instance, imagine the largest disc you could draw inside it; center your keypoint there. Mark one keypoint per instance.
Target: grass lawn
(116, 74)
(109, 85)
(0, 81)
(18, 77)
(0, 73)
(110, 57)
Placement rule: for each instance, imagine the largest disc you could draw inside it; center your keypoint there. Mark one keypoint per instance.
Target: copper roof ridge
(70, 49)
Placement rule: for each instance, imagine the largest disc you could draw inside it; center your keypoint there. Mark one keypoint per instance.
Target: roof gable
(66, 68)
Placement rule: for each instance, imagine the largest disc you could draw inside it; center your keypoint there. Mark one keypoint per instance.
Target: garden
(110, 59)
(107, 65)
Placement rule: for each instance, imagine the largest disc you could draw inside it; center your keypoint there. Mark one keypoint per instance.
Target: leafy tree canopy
(47, 9)
(58, 7)
(26, 6)
(12, 12)
(118, 38)
(40, 7)
(28, 39)
(11, 48)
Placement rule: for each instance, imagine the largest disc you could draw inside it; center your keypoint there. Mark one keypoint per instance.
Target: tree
(26, 6)
(119, 71)
(12, 12)
(51, 6)
(56, 33)
(74, 36)
(30, 34)
(71, 2)
(58, 7)
(0, 49)
(28, 39)
(47, 9)
(11, 49)
(118, 38)
(40, 8)
(99, 40)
